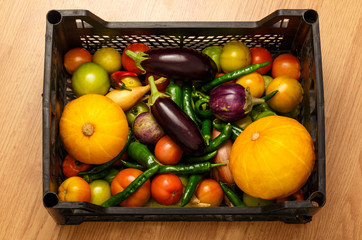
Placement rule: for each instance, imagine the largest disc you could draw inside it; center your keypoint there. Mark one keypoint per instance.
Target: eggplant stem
(138, 58)
(154, 91)
(250, 101)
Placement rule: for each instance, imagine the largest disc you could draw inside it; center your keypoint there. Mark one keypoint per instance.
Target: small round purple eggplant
(177, 63)
(146, 129)
(231, 102)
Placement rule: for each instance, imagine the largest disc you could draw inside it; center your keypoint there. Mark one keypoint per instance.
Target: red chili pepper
(116, 79)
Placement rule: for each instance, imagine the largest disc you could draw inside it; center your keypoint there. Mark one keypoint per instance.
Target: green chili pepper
(206, 130)
(175, 92)
(100, 175)
(141, 154)
(204, 113)
(106, 165)
(264, 107)
(232, 75)
(197, 95)
(203, 158)
(190, 188)
(220, 139)
(111, 174)
(270, 95)
(235, 130)
(232, 196)
(133, 165)
(131, 188)
(187, 101)
(195, 168)
(265, 114)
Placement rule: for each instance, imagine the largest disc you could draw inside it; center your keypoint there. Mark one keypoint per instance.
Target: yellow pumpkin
(272, 158)
(93, 129)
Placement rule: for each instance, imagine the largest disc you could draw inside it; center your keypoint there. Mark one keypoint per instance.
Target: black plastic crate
(291, 30)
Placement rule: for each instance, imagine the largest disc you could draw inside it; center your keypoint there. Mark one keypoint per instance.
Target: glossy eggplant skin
(180, 63)
(178, 126)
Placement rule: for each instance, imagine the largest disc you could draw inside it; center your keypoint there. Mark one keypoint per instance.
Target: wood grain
(22, 25)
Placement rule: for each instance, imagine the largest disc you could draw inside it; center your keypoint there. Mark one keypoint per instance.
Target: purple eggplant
(231, 102)
(175, 122)
(177, 63)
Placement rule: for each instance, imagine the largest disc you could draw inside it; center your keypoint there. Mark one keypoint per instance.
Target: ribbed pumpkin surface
(272, 158)
(93, 129)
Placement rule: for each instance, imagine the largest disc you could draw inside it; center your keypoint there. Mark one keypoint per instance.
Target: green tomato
(100, 191)
(112, 173)
(109, 58)
(214, 53)
(90, 78)
(267, 80)
(136, 110)
(235, 55)
(255, 202)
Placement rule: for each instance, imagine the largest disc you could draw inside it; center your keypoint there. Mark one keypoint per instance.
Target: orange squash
(272, 158)
(93, 129)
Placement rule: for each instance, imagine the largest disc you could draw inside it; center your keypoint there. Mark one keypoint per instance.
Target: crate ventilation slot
(82, 24)
(282, 23)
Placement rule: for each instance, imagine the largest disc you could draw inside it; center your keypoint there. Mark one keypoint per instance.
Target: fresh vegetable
(74, 189)
(265, 114)
(231, 102)
(146, 129)
(100, 191)
(223, 156)
(234, 55)
(190, 188)
(206, 130)
(135, 110)
(255, 82)
(272, 158)
(267, 80)
(175, 93)
(260, 55)
(176, 124)
(90, 139)
(109, 58)
(125, 80)
(102, 167)
(127, 99)
(292, 114)
(232, 75)
(127, 62)
(242, 123)
(286, 65)
(218, 141)
(193, 168)
(235, 130)
(76, 57)
(202, 108)
(71, 167)
(160, 86)
(289, 96)
(251, 201)
(141, 154)
(96, 176)
(214, 53)
(167, 152)
(177, 63)
(209, 191)
(203, 158)
(133, 165)
(111, 174)
(166, 188)
(231, 195)
(90, 78)
(187, 104)
(131, 188)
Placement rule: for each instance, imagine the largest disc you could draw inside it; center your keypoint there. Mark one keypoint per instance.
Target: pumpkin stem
(255, 136)
(88, 129)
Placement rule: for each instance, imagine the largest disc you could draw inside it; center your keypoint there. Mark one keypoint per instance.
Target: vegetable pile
(184, 128)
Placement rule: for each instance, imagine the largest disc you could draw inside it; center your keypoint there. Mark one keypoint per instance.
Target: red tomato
(167, 152)
(74, 189)
(71, 167)
(161, 86)
(127, 62)
(76, 57)
(286, 65)
(166, 188)
(260, 55)
(209, 191)
(119, 163)
(123, 179)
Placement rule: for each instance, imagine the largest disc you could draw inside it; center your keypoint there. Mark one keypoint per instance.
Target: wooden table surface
(22, 42)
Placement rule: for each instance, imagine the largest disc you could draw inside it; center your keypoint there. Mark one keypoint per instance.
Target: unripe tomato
(109, 58)
(286, 65)
(166, 188)
(234, 55)
(254, 81)
(100, 191)
(261, 55)
(74, 189)
(123, 179)
(289, 95)
(76, 57)
(209, 191)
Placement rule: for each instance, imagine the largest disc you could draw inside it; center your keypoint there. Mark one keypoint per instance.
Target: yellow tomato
(289, 95)
(74, 189)
(254, 81)
(131, 81)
